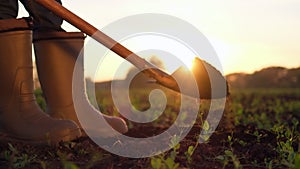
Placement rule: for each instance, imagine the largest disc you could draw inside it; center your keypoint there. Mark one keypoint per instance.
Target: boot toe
(118, 124)
(65, 130)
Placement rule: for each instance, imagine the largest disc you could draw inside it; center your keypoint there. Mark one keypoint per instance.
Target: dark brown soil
(86, 154)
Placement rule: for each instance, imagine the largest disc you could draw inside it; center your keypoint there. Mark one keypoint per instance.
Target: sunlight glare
(165, 43)
(172, 52)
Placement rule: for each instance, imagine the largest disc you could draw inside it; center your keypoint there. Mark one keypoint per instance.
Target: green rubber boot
(21, 119)
(56, 54)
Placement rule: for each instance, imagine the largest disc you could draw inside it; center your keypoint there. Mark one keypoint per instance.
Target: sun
(188, 62)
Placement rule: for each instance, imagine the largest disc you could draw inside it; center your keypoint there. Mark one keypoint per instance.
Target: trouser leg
(8, 9)
(42, 17)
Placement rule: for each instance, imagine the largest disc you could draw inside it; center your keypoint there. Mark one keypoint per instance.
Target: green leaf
(204, 137)
(176, 165)
(70, 165)
(156, 163)
(229, 138)
(228, 153)
(170, 163)
(297, 161)
(176, 147)
(205, 125)
(173, 155)
(12, 149)
(220, 157)
(174, 141)
(190, 150)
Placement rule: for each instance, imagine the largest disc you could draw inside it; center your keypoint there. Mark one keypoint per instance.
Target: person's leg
(43, 18)
(21, 119)
(56, 54)
(8, 9)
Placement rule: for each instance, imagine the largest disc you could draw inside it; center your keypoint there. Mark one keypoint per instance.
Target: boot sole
(7, 138)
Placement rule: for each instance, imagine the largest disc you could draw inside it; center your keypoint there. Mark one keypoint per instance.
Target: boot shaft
(56, 54)
(16, 59)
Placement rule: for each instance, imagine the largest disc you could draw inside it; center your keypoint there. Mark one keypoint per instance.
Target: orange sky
(247, 35)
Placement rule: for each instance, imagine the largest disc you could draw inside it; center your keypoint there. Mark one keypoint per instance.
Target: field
(259, 129)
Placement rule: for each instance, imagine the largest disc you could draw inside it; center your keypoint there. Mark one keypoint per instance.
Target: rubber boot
(56, 54)
(21, 119)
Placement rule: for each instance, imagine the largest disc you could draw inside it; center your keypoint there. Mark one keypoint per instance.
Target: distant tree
(157, 62)
(276, 77)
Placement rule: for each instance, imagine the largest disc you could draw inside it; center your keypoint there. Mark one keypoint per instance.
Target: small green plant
(67, 164)
(268, 164)
(206, 131)
(297, 161)
(167, 160)
(17, 159)
(163, 161)
(229, 156)
(288, 156)
(189, 153)
(40, 99)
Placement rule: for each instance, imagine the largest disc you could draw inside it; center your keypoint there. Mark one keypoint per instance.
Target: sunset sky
(247, 35)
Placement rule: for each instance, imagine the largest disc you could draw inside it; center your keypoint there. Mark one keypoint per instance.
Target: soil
(84, 153)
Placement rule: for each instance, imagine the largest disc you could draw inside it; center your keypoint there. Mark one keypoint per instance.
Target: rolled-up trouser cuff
(7, 25)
